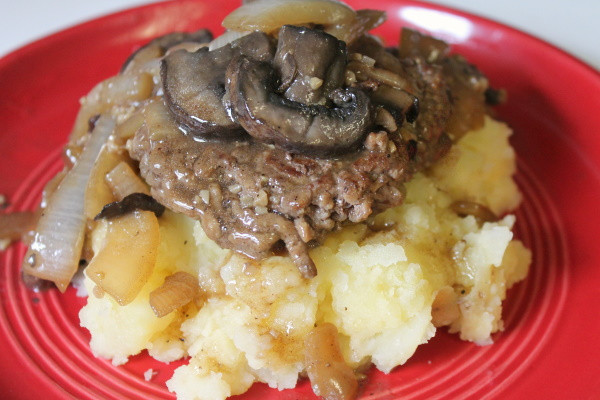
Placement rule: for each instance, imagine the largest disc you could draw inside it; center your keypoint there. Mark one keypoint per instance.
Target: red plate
(550, 346)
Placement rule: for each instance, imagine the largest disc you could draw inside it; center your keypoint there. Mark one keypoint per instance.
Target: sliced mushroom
(132, 202)
(159, 46)
(270, 117)
(194, 85)
(311, 64)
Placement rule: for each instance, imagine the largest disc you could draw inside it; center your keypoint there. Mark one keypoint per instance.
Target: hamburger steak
(274, 143)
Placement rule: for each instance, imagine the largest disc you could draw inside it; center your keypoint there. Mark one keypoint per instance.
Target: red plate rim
(585, 71)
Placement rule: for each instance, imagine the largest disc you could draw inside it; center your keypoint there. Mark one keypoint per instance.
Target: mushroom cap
(310, 62)
(194, 85)
(314, 129)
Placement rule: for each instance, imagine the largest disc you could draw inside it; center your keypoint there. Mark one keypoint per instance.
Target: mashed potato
(385, 285)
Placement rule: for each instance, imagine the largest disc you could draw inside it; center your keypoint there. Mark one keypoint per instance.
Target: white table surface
(573, 25)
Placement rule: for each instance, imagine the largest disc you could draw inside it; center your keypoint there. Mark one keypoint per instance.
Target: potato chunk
(176, 291)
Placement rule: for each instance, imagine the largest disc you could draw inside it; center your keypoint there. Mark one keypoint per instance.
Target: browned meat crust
(249, 195)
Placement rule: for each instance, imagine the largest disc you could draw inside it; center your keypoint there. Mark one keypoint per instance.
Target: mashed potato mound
(385, 285)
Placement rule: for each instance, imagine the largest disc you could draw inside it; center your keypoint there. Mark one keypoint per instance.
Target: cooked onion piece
(120, 89)
(127, 257)
(364, 71)
(159, 46)
(123, 181)
(16, 224)
(225, 39)
(51, 187)
(158, 120)
(386, 120)
(330, 376)
(268, 15)
(97, 192)
(129, 127)
(176, 291)
(364, 21)
(394, 98)
(56, 249)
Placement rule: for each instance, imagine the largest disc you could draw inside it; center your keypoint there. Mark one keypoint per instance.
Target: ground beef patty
(265, 185)
(249, 195)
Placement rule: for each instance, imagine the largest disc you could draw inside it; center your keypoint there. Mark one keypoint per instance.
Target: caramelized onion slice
(118, 90)
(268, 15)
(127, 129)
(56, 249)
(364, 21)
(123, 181)
(126, 259)
(176, 291)
(225, 39)
(157, 47)
(330, 376)
(365, 72)
(34, 284)
(16, 224)
(97, 192)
